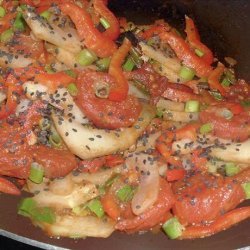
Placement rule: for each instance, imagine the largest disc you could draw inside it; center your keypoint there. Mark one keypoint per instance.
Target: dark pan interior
(225, 27)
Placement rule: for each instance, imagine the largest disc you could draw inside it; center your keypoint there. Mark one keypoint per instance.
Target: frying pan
(225, 27)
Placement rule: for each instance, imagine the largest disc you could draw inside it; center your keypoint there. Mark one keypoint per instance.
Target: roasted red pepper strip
(101, 45)
(214, 79)
(8, 187)
(194, 41)
(114, 30)
(224, 222)
(120, 92)
(185, 54)
(53, 81)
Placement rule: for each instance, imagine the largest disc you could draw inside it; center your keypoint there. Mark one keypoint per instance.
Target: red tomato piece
(175, 174)
(8, 187)
(101, 111)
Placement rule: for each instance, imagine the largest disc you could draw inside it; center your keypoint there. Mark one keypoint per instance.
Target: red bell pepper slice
(175, 174)
(101, 45)
(193, 38)
(8, 187)
(120, 92)
(185, 54)
(101, 8)
(214, 79)
(222, 223)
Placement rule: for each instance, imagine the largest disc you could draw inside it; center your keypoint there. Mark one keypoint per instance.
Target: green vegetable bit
(26, 206)
(192, 106)
(86, 57)
(95, 206)
(245, 103)
(128, 65)
(2, 11)
(104, 23)
(72, 89)
(71, 73)
(103, 64)
(206, 128)
(6, 36)
(246, 187)
(36, 173)
(186, 73)
(46, 14)
(55, 140)
(172, 228)
(125, 194)
(19, 23)
(199, 52)
(231, 169)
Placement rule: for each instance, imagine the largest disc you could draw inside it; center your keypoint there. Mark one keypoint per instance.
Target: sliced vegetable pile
(112, 126)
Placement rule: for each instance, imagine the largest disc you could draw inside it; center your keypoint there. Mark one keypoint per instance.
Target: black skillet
(225, 27)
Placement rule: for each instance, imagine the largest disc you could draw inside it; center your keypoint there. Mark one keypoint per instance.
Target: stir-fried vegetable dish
(115, 126)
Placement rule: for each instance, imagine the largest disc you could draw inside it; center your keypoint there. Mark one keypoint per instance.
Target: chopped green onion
(104, 23)
(186, 73)
(46, 14)
(71, 73)
(231, 169)
(26, 206)
(245, 103)
(192, 106)
(6, 36)
(2, 11)
(206, 128)
(216, 95)
(48, 68)
(55, 140)
(226, 113)
(111, 180)
(173, 228)
(36, 173)
(81, 210)
(151, 42)
(136, 56)
(95, 206)
(44, 124)
(23, 6)
(86, 57)
(72, 89)
(19, 23)
(199, 52)
(125, 194)
(159, 113)
(44, 214)
(226, 82)
(101, 190)
(103, 64)
(128, 65)
(246, 187)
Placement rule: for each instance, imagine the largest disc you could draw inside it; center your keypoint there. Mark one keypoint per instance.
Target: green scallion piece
(246, 187)
(159, 113)
(36, 173)
(95, 206)
(104, 23)
(125, 193)
(173, 228)
(216, 95)
(44, 214)
(2, 11)
(192, 106)
(26, 206)
(199, 52)
(136, 57)
(44, 124)
(111, 180)
(186, 73)
(71, 73)
(206, 128)
(46, 14)
(55, 140)
(23, 6)
(72, 89)
(231, 169)
(245, 103)
(103, 64)
(19, 23)
(226, 113)
(129, 64)
(225, 82)
(86, 57)
(6, 36)
(48, 68)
